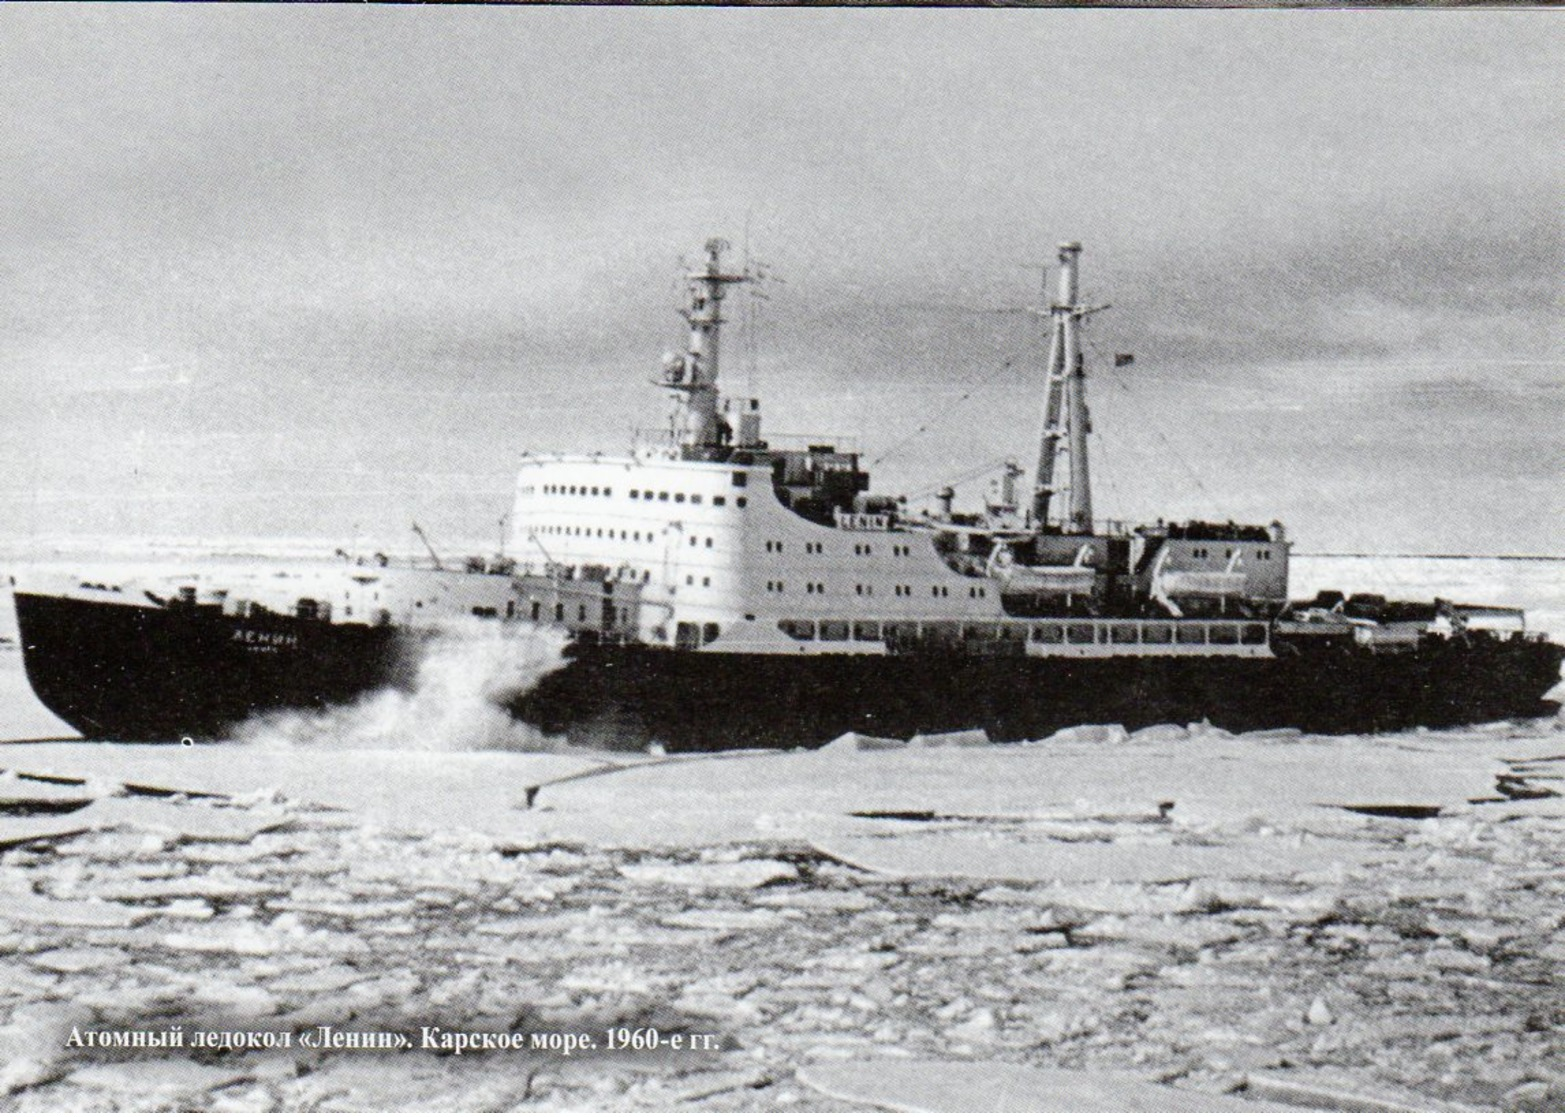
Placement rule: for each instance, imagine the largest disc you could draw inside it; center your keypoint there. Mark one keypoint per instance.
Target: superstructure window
(740, 479)
(679, 498)
(662, 496)
(1048, 634)
(799, 630)
(1081, 634)
(866, 630)
(740, 501)
(834, 630)
(634, 493)
(719, 501)
(1190, 634)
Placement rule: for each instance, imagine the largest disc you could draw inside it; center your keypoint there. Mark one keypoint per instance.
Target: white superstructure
(711, 539)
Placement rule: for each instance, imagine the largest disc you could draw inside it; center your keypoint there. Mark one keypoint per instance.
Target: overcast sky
(322, 271)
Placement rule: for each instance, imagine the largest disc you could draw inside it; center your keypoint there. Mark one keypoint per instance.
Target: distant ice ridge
(464, 674)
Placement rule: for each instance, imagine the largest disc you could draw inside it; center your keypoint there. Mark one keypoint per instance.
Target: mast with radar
(700, 432)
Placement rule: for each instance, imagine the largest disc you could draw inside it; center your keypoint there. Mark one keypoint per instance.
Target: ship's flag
(1123, 359)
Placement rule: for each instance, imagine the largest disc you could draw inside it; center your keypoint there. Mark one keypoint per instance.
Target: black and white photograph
(685, 559)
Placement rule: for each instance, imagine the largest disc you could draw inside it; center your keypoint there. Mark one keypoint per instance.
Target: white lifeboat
(1013, 577)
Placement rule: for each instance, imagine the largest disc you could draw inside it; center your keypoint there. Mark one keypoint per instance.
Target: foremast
(1065, 421)
(699, 430)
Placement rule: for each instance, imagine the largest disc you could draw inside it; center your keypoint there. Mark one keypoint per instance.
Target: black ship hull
(128, 673)
(630, 696)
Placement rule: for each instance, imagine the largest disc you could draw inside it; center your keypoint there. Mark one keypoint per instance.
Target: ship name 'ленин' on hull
(722, 592)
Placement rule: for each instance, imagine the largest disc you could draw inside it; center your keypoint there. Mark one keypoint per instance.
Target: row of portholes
(1263, 553)
(599, 533)
(869, 591)
(775, 547)
(638, 494)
